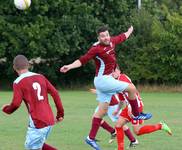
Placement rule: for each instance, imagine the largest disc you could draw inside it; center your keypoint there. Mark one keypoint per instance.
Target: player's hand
(3, 108)
(59, 120)
(92, 91)
(65, 69)
(130, 29)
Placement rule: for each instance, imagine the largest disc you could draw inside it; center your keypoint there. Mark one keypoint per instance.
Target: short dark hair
(102, 29)
(20, 62)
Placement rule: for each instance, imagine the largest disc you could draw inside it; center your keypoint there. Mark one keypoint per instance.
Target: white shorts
(35, 138)
(107, 86)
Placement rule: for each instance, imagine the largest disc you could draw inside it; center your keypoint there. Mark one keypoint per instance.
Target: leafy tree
(53, 33)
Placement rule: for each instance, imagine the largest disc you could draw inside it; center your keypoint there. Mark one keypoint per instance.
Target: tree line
(54, 33)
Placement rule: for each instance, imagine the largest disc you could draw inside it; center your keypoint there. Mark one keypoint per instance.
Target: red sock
(149, 128)
(48, 147)
(129, 135)
(120, 138)
(134, 106)
(95, 127)
(107, 127)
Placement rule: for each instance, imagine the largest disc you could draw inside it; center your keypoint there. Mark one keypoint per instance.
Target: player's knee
(132, 91)
(132, 88)
(103, 108)
(118, 125)
(136, 132)
(100, 113)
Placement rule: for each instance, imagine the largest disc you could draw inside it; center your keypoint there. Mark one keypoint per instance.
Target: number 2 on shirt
(37, 87)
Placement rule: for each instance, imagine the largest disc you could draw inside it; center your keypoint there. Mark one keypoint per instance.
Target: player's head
(20, 63)
(103, 35)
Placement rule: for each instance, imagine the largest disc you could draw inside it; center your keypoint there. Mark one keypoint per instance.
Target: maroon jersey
(114, 100)
(103, 55)
(33, 89)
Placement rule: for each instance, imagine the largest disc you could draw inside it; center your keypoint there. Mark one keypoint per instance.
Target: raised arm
(123, 36)
(130, 30)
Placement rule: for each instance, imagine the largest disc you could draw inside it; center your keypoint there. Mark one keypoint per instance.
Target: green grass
(79, 106)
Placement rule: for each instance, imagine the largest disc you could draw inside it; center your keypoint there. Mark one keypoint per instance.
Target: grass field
(79, 106)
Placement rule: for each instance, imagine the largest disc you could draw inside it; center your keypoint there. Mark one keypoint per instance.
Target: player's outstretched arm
(75, 64)
(130, 30)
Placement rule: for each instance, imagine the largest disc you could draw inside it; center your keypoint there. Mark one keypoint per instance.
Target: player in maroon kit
(126, 116)
(33, 89)
(103, 53)
(113, 114)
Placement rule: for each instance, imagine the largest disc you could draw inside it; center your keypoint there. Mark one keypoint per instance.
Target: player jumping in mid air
(103, 54)
(33, 89)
